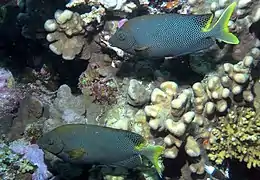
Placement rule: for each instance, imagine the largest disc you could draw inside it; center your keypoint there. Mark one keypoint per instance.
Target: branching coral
(111, 5)
(237, 137)
(102, 90)
(94, 15)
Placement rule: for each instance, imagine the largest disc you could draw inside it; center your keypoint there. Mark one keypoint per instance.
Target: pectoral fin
(141, 48)
(76, 153)
(142, 51)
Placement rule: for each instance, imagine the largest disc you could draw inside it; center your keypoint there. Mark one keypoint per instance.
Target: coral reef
(182, 113)
(97, 81)
(67, 34)
(138, 95)
(236, 136)
(110, 5)
(30, 111)
(94, 15)
(66, 109)
(217, 108)
(11, 164)
(33, 15)
(170, 113)
(21, 158)
(7, 91)
(119, 116)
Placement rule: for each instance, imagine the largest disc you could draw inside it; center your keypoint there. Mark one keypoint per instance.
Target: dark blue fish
(90, 144)
(171, 35)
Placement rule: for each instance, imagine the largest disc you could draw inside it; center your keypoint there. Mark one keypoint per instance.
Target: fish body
(97, 145)
(165, 35)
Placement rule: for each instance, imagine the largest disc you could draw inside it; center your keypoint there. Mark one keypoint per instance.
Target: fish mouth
(46, 147)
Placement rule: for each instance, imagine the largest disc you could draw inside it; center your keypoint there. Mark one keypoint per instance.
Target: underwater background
(129, 89)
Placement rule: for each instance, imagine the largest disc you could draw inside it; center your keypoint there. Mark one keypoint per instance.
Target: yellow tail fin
(220, 29)
(153, 153)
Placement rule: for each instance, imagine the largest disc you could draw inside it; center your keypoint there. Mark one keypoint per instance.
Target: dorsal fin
(136, 138)
(205, 20)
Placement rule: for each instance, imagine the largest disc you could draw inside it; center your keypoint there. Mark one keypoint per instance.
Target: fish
(85, 144)
(172, 35)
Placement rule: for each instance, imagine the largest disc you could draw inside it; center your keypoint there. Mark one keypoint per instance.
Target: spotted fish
(91, 144)
(171, 35)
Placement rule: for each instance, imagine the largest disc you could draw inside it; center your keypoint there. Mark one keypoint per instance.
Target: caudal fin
(220, 29)
(153, 153)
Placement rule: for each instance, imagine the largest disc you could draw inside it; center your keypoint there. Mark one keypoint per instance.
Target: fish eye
(121, 36)
(50, 142)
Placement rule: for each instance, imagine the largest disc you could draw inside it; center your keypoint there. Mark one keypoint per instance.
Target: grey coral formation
(66, 109)
(66, 34)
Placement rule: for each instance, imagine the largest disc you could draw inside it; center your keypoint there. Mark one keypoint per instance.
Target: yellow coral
(237, 137)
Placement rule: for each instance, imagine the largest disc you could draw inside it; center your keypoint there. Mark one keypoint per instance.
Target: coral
(21, 157)
(94, 15)
(191, 147)
(170, 5)
(138, 95)
(182, 113)
(29, 112)
(7, 84)
(12, 164)
(236, 136)
(75, 3)
(33, 14)
(140, 125)
(169, 112)
(111, 5)
(175, 114)
(230, 85)
(65, 109)
(10, 95)
(120, 116)
(103, 92)
(32, 132)
(121, 5)
(66, 34)
(102, 89)
(197, 167)
(65, 100)
(118, 51)
(166, 104)
(170, 109)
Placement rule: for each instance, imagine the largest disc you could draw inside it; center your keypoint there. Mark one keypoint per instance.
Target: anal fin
(203, 44)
